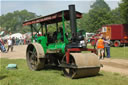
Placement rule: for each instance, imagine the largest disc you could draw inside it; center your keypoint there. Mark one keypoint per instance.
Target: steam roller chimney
(73, 26)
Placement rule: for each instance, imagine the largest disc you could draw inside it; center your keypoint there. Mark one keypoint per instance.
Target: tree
(12, 22)
(98, 15)
(81, 22)
(100, 4)
(116, 17)
(124, 10)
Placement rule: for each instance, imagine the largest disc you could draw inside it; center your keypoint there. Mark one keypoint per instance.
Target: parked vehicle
(118, 34)
(89, 35)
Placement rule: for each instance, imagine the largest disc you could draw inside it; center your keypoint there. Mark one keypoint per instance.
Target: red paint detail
(116, 44)
(53, 18)
(81, 49)
(67, 57)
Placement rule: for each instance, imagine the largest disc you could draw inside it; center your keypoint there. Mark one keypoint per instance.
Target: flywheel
(35, 56)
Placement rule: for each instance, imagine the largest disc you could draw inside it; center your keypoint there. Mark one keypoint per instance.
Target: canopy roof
(52, 18)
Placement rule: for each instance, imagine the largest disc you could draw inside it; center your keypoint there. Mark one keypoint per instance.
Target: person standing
(9, 44)
(100, 47)
(107, 46)
(13, 43)
(2, 48)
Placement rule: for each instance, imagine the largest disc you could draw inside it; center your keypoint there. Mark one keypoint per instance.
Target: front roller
(82, 65)
(35, 56)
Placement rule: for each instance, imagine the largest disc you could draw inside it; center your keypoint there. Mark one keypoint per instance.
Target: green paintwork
(58, 45)
(65, 39)
(59, 36)
(43, 41)
(53, 46)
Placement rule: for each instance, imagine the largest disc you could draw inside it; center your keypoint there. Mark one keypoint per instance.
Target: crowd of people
(10, 42)
(103, 44)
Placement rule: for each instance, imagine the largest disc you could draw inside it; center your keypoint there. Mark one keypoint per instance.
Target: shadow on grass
(2, 77)
(52, 68)
(84, 77)
(61, 69)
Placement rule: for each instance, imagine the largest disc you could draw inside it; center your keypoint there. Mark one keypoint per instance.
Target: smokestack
(73, 26)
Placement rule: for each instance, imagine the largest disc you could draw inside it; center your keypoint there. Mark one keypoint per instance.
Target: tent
(17, 35)
(1, 33)
(6, 37)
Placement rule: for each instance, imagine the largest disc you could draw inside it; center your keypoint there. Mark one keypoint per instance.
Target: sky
(45, 7)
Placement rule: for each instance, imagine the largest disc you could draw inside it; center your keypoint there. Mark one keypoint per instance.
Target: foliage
(99, 15)
(116, 17)
(13, 21)
(52, 27)
(52, 76)
(81, 22)
(100, 4)
(124, 10)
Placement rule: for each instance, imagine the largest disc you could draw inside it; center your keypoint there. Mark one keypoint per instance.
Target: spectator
(2, 48)
(104, 44)
(13, 43)
(1, 41)
(100, 47)
(107, 46)
(24, 41)
(9, 44)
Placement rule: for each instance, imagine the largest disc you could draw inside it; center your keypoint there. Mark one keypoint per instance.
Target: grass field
(23, 76)
(117, 52)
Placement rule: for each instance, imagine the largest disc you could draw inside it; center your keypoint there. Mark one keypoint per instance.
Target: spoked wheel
(35, 58)
(69, 72)
(82, 65)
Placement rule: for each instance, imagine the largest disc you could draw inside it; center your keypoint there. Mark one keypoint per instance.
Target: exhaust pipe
(73, 26)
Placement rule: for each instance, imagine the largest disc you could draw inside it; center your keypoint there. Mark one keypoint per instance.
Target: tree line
(100, 14)
(12, 22)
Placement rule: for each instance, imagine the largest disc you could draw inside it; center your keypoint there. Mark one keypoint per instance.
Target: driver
(60, 34)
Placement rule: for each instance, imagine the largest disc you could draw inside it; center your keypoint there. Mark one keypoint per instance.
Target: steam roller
(82, 65)
(59, 48)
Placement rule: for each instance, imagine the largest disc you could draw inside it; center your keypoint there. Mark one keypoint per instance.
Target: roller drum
(87, 65)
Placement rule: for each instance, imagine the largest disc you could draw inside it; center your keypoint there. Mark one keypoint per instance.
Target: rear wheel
(117, 43)
(34, 57)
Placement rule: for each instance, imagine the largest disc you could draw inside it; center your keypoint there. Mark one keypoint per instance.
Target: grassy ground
(117, 52)
(23, 76)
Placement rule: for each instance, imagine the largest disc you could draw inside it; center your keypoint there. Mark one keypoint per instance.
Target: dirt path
(111, 65)
(19, 52)
(115, 65)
